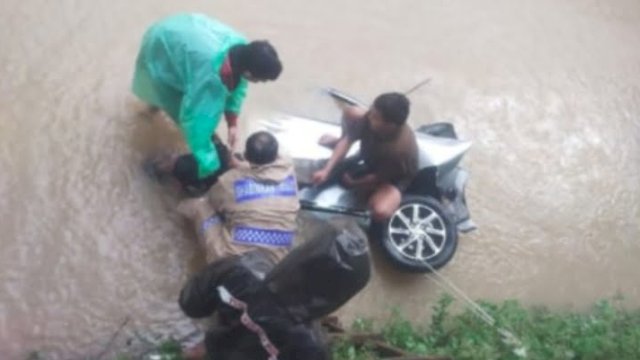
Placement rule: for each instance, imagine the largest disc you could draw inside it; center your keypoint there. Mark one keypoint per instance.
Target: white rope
(507, 336)
(475, 307)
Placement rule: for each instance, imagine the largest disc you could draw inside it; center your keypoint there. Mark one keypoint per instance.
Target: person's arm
(202, 217)
(199, 297)
(200, 114)
(231, 118)
(198, 139)
(350, 133)
(232, 109)
(339, 152)
(237, 161)
(217, 197)
(232, 129)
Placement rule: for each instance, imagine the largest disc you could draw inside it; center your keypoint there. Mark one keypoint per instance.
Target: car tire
(420, 237)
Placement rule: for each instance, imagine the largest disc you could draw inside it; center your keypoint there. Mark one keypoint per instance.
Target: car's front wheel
(419, 237)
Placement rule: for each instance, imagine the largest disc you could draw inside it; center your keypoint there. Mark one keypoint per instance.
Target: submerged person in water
(265, 311)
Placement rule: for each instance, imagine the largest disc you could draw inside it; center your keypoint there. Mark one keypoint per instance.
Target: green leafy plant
(168, 350)
(346, 351)
(606, 331)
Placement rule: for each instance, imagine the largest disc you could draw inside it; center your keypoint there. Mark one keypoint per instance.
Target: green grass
(606, 331)
(169, 350)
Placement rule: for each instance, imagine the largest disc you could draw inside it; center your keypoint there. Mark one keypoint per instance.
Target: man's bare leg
(384, 202)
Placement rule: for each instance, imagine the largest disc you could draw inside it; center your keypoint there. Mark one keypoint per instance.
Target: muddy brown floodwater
(547, 90)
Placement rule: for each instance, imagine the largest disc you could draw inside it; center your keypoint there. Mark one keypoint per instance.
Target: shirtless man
(388, 147)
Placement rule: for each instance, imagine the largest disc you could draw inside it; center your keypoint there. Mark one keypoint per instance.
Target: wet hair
(261, 148)
(393, 106)
(258, 58)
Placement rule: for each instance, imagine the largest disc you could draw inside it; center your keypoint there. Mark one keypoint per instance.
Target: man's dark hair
(261, 148)
(258, 58)
(393, 106)
(262, 61)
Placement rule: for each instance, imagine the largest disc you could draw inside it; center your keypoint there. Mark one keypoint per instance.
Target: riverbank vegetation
(606, 331)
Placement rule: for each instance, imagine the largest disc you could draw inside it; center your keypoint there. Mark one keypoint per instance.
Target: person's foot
(328, 141)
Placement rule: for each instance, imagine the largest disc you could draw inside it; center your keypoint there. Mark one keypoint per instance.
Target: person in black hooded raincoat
(267, 312)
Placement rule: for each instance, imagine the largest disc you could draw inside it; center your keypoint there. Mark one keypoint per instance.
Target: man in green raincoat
(196, 70)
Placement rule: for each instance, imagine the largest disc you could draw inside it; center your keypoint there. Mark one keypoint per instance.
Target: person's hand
(234, 160)
(232, 138)
(348, 181)
(320, 177)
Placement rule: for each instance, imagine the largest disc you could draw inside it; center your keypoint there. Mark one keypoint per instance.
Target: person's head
(261, 148)
(258, 61)
(388, 113)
